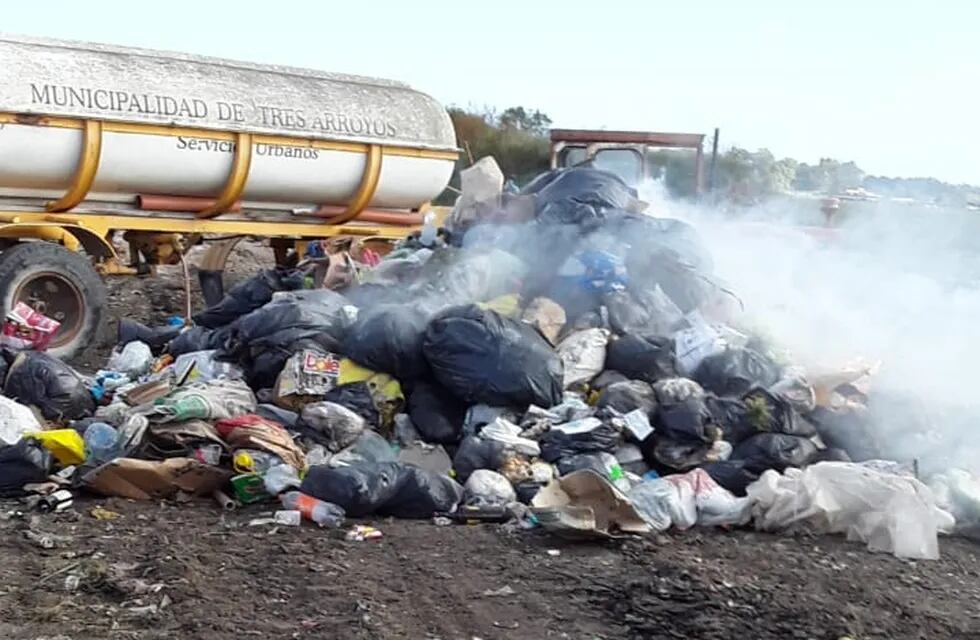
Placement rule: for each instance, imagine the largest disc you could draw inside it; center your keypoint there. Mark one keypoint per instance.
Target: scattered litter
(289, 518)
(361, 532)
(101, 513)
(26, 329)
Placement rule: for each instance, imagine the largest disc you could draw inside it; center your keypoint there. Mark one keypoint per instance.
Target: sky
(891, 85)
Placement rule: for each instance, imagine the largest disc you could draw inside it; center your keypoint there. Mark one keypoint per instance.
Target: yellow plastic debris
(383, 386)
(508, 305)
(66, 445)
(101, 513)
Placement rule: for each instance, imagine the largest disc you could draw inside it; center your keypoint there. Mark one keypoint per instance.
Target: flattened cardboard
(583, 504)
(151, 479)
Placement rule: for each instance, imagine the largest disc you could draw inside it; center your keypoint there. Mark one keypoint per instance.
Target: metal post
(714, 159)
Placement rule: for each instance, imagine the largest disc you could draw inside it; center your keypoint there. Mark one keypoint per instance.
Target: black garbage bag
(477, 453)
(848, 431)
(357, 397)
(198, 339)
(360, 490)
(607, 378)
(386, 488)
(642, 357)
(526, 491)
(642, 310)
(602, 463)
(389, 338)
(658, 239)
(482, 357)
(249, 295)
(731, 475)
(22, 463)
(580, 194)
(312, 312)
(768, 412)
(626, 315)
(422, 493)
(368, 295)
(540, 182)
(154, 337)
(588, 435)
(831, 455)
(774, 451)
(436, 414)
(38, 379)
(685, 286)
(629, 396)
(687, 421)
(732, 417)
(263, 340)
(676, 456)
(736, 370)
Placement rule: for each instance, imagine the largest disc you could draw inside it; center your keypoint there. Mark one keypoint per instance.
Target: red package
(28, 330)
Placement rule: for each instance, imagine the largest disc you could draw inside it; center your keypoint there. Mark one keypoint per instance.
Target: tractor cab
(625, 153)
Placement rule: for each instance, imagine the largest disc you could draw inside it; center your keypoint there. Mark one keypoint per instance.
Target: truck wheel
(59, 283)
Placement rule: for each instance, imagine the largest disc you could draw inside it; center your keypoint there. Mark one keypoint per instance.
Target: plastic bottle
(428, 235)
(254, 461)
(101, 442)
(325, 514)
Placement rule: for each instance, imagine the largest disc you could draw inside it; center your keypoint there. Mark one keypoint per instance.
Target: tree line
(518, 138)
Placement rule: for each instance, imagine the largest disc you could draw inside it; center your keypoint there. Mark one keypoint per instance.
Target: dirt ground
(189, 570)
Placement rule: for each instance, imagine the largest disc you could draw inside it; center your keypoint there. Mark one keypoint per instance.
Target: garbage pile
(556, 358)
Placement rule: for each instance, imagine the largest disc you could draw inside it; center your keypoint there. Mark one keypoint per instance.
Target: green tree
(783, 175)
(533, 122)
(517, 139)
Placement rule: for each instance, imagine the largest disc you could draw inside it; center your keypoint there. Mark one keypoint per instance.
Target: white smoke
(895, 285)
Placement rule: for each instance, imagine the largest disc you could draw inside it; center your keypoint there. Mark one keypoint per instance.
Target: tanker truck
(172, 150)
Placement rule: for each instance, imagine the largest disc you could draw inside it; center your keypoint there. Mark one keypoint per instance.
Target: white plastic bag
(663, 504)
(15, 421)
(958, 492)
(693, 345)
(486, 488)
(583, 355)
(339, 426)
(683, 500)
(134, 360)
(279, 478)
(509, 434)
(200, 366)
(888, 512)
(715, 505)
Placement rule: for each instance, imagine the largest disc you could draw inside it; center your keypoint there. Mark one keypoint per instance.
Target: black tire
(69, 281)
(212, 286)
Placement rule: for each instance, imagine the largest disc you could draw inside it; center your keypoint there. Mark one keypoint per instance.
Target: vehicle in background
(174, 150)
(628, 154)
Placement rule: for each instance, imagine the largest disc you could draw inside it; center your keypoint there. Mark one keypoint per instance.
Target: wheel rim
(57, 297)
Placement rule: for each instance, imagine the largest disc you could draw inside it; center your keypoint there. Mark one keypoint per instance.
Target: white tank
(171, 121)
